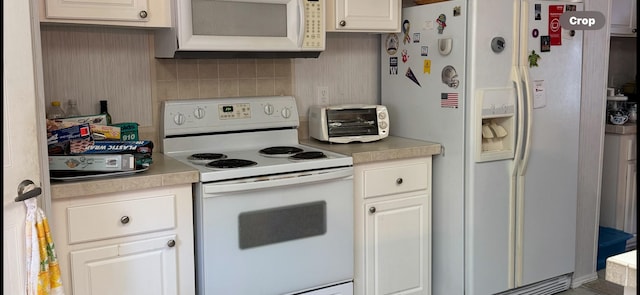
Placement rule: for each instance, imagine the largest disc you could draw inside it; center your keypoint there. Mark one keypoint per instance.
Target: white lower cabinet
(393, 227)
(618, 204)
(138, 242)
(143, 267)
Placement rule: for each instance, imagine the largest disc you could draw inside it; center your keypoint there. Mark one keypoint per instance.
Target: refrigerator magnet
(411, 76)
(442, 23)
(424, 50)
(538, 11)
(406, 26)
(450, 77)
(535, 33)
(393, 65)
(391, 44)
(545, 43)
(426, 66)
(533, 59)
(457, 10)
(416, 37)
(405, 55)
(555, 32)
(449, 100)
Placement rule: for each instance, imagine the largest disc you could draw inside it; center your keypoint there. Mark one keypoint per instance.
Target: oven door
(275, 235)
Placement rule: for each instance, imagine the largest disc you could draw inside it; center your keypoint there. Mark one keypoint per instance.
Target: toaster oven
(348, 123)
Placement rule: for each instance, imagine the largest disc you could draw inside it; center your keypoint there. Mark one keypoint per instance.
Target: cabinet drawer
(115, 219)
(394, 180)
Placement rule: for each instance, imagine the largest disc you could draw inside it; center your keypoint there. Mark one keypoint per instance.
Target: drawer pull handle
(171, 243)
(399, 180)
(372, 210)
(343, 23)
(143, 14)
(124, 219)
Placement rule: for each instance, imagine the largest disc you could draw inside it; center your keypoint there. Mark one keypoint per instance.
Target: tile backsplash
(89, 64)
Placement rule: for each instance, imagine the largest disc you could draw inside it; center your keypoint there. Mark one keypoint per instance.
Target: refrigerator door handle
(517, 80)
(528, 98)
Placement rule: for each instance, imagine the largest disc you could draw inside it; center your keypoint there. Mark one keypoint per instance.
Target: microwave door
(243, 25)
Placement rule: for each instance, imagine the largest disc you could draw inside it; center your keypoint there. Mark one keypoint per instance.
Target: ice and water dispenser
(495, 124)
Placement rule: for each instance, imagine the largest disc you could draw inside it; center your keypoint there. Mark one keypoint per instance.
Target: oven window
(275, 225)
(352, 122)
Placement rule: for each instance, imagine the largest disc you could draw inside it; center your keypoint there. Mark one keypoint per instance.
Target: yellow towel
(43, 272)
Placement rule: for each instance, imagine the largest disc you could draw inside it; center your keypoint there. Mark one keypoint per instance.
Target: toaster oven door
(352, 122)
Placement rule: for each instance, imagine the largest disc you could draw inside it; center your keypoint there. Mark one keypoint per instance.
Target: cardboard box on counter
(124, 162)
(99, 132)
(141, 149)
(100, 119)
(81, 131)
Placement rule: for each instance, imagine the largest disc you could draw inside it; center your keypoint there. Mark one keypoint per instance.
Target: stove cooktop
(226, 165)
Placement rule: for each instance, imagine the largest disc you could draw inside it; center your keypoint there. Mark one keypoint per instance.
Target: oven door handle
(277, 180)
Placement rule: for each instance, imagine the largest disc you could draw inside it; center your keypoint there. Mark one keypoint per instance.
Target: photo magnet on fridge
(545, 43)
(538, 13)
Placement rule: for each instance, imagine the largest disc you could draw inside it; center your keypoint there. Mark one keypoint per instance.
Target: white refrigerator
(497, 83)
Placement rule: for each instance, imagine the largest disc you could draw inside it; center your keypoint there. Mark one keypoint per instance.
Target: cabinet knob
(634, 30)
(372, 210)
(143, 14)
(124, 219)
(171, 243)
(399, 180)
(343, 23)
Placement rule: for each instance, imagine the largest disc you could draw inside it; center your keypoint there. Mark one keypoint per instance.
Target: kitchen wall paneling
(592, 110)
(349, 67)
(90, 64)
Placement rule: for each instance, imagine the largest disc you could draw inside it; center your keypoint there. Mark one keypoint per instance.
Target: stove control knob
(286, 113)
(268, 109)
(199, 113)
(179, 119)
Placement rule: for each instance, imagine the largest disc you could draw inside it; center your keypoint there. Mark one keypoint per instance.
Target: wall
(89, 64)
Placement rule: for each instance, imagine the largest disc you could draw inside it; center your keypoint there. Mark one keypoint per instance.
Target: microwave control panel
(314, 20)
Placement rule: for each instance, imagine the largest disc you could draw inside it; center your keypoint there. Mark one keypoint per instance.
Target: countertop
(626, 128)
(390, 148)
(164, 171)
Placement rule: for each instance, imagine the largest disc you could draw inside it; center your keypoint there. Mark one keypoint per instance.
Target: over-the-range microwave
(348, 123)
(244, 28)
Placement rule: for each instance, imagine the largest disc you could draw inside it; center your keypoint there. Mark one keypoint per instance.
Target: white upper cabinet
(363, 16)
(623, 18)
(134, 13)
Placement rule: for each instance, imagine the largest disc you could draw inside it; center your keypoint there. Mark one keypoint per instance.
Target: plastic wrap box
(124, 162)
(610, 242)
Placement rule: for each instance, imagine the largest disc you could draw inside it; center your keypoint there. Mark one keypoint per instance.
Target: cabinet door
(140, 268)
(365, 16)
(397, 238)
(126, 10)
(623, 17)
(631, 194)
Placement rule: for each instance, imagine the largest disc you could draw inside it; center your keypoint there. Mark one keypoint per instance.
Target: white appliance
(244, 28)
(347, 123)
(504, 101)
(271, 216)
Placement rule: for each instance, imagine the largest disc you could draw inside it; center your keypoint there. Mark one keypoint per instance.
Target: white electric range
(272, 216)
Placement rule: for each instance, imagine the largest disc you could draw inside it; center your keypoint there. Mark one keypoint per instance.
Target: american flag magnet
(449, 100)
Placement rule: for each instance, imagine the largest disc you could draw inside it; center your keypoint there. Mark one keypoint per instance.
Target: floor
(597, 287)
